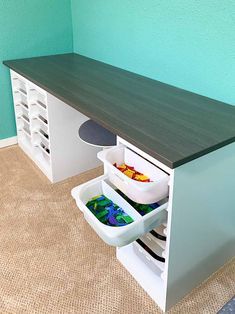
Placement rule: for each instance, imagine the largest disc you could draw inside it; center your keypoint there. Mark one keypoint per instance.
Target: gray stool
(94, 134)
(228, 308)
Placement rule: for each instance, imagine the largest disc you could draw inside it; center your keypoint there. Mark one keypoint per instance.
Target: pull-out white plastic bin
(154, 264)
(116, 236)
(140, 192)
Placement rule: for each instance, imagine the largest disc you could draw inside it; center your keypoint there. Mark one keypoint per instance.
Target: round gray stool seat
(94, 134)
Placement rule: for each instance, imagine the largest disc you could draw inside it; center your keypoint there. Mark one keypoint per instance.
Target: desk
(188, 136)
(170, 124)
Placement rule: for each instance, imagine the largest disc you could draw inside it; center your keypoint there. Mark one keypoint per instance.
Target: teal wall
(186, 43)
(29, 28)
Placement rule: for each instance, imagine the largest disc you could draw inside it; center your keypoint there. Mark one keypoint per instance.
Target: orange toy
(132, 173)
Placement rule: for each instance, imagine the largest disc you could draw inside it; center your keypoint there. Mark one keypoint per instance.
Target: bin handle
(119, 177)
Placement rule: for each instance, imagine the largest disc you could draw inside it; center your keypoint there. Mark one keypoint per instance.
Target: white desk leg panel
(202, 230)
(153, 283)
(69, 155)
(200, 227)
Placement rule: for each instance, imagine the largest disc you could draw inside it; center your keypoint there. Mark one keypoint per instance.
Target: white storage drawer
(38, 126)
(38, 110)
(148, 258)
(154, 236)
(140, 192)
(113, 235)
(39, 138)
(20, 99)
(38, 98)
(24, 129)
(41, 119)
(19, 85)
(153, 246)
(23, 125)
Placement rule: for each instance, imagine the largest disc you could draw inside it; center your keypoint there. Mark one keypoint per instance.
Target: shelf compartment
(153, 246)
(24, 138)
(25, 113)
(23, 125)
(20, 100)
(142, 251)
(26, 132)
(41, 105)
(21, 91)
(44, 148)
(157, 236)
(19, 86)
(140, 192)
(18, 111)
(43, 159)
(153, 239)
(25, 118)
(41, 119)
(40, 142)
(37, 97)
(22, 113)
(116, 236)
(159, 231)
(38, 110)
(44, 135)
(38, 126)
(38, 137)
(23, 105)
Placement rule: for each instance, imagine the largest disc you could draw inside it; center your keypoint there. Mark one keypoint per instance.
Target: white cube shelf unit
(47, 131)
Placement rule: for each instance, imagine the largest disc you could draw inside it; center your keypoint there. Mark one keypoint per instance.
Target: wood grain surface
(172, 125)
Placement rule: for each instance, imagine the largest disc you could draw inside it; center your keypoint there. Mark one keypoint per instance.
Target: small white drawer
(20, 99)
(150, 258)
(116, 236)
(38, 110)
(40, 118)
(22, 123)
(41, 142)
(37, 125)
(36, 92)
(140, 192)
(19, 86)
(153, 246)
(159, 238)
(23, 128)
(39, 137)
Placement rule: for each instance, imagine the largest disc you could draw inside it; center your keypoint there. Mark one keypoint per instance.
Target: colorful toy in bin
(142, 209)
(132, 173)
(107, 212)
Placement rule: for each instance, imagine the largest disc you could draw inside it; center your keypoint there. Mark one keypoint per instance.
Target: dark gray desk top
(173, 125)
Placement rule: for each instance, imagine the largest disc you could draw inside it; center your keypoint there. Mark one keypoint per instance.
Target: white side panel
(202, 221)
(69, 155)
(149, 280)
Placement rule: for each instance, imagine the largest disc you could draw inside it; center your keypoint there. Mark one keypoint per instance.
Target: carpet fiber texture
(51, 261)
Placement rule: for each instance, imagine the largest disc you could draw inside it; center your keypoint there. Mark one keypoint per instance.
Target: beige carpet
(52, 262)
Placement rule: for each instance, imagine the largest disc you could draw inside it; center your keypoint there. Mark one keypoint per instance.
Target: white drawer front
(116, 236)
(140, 192)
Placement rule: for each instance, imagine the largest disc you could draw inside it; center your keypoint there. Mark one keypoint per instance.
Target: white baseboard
(8, 141)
